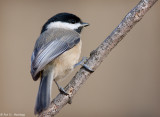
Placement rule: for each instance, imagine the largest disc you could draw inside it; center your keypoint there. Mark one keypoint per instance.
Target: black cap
(63, 17)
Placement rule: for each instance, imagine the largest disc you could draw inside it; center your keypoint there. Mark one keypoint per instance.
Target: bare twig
(97, 56)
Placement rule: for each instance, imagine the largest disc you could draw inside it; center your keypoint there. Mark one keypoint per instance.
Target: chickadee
(56, 52)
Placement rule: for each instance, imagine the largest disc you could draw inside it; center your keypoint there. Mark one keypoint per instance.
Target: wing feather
(51, 50)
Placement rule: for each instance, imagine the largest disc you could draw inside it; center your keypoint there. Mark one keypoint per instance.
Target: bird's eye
(72, 21)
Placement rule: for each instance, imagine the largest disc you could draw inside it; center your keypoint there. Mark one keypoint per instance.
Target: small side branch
(98, 55)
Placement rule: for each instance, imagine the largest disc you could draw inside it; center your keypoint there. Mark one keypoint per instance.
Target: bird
(56, 53)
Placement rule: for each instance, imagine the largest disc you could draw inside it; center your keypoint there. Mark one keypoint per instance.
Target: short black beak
(84, 24)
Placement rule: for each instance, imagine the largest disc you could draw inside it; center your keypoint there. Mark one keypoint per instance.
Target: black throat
(79, 30)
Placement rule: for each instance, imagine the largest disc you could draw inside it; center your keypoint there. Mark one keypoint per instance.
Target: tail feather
(44, 93)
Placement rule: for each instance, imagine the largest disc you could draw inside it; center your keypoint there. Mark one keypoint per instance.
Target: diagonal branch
(98, 55)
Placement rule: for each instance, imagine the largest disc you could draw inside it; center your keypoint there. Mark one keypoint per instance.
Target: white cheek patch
(63, 25)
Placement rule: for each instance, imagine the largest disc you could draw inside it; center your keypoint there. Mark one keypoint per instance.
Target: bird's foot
(62, 91)
(82, 62)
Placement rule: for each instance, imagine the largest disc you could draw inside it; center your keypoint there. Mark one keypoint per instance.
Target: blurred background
(127, 84)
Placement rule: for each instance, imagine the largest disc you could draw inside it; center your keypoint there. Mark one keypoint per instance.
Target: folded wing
(52, 49)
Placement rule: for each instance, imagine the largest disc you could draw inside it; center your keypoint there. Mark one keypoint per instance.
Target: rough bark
(98, 55)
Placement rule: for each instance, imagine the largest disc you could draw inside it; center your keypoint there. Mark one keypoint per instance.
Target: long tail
(44, 93)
